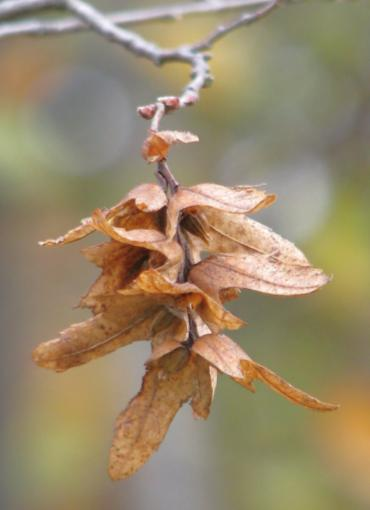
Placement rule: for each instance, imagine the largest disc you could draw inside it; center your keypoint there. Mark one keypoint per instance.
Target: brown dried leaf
(75, 234)
(256, 272)
(222, 353)
(141, 428)
(151, 240)
(173, 326)
(100, 335)
(168, 332)
(194, 224)
(158, 143)
(120, 265)
(240, 199)
(231, 233)
(181, 296)
(162, 349)
(229, 294)
(288, 391)
(146, 198)
(204, 386)
(229, 358)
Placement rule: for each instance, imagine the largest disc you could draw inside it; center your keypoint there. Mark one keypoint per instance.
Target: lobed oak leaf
(257, 272)
(238, 199)
(156, 146)
(230, 359)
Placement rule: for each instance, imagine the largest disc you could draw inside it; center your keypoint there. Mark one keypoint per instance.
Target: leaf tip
(270, 199)
(115, 474)
(47, 242)
(327, 406)
(198, 416)
(38, 356)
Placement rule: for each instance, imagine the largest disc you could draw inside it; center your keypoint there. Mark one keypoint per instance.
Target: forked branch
(108, 26)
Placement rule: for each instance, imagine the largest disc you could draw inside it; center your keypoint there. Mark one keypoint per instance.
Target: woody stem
(170, 185)
(166, 178)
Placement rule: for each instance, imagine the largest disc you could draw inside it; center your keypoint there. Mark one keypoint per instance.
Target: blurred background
(290, 107)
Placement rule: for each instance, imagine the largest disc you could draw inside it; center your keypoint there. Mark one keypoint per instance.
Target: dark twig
(170, 185)
(193, 331)
(167, 177)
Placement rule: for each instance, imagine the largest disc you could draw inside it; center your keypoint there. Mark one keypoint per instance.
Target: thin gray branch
(243, 20)
(106, 26)
(109, 30)
(42, 27)
(9, 8)
(141, 47)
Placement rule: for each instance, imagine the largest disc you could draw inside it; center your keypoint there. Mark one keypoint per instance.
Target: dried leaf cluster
(174, 256)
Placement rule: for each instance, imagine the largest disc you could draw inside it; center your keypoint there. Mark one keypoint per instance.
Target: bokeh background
(290, 108)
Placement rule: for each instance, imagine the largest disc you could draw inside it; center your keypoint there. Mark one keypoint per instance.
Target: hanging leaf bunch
(174, 256)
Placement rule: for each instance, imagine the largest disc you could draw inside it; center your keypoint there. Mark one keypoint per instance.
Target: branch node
(147, 111)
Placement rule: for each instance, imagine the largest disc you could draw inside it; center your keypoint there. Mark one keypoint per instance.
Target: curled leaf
(181, 296)
(146, 198)
(257, 272)
(238, 199)
(288, 391)
(234, 233)
(151, 240)
(230, 359)
(222, 353)
(158, 143)
(75, 234)
(120, 264)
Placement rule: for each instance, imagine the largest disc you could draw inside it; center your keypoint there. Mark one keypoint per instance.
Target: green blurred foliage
(290, 107)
